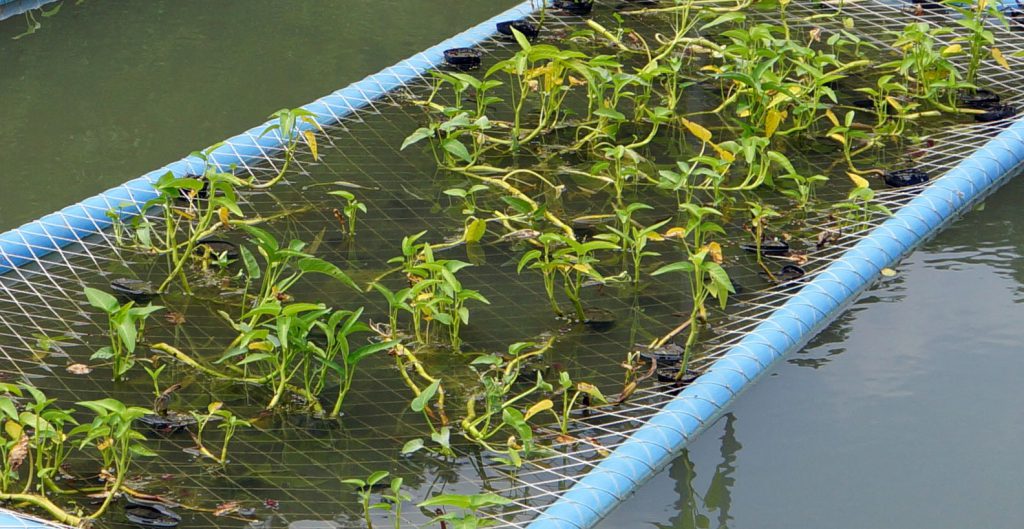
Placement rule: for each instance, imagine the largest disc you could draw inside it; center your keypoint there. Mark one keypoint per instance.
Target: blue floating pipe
(656, 443)
(10, 8)
(70, 225)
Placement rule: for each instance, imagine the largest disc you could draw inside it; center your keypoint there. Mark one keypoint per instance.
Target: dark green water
(906, 412)
(108, 90)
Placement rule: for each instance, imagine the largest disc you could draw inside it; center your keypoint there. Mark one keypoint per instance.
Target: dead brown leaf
(226, 508)
(79, 369)
(18, 454)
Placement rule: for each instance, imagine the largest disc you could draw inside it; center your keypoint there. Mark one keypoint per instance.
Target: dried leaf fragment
(79, 369)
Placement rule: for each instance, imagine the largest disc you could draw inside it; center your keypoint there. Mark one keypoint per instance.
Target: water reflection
(696, 509)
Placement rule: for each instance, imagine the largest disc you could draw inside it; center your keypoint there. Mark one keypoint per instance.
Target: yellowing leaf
(888, 272)
(998, 56)
(858, 180)
(771, 122)
(655, 236)
(710, 68)
(261, 346)
(13, 430)
(895, 103)
(675, 233)
(697, 130)
(224, 217)
(311, 140)
(832, 117)
(838, 137)
(714, 251)
(541, 406)
(952, 49)
(743, 113)
(724, 154)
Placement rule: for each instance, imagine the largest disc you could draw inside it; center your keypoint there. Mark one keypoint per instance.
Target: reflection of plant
(126, 324)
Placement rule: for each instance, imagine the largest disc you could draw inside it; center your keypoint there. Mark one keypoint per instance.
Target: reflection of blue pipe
(658, 441)
(72, 224)
(10, 8)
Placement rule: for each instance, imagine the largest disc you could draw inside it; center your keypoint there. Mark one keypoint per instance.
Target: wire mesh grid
(290, 467)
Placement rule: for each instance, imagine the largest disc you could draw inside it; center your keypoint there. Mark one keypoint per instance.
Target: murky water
(906, 412)
(107, 91)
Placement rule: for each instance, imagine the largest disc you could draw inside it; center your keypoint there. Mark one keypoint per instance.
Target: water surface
(906, 412)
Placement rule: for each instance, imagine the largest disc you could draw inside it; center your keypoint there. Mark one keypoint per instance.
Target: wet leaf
(675, 233)
(79, 369)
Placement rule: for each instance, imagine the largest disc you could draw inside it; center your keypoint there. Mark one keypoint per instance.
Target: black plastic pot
(150, 514)
(463, 58)
(136, 290)
(790, 273)
(928, 4)
(575, 7)
(217, 247)
(170, 422)
(528, 29)
(666, 355)
(599, 320)
(668, 375)
(980, 99)
(905, 177)
(768, 247)
(996, 113)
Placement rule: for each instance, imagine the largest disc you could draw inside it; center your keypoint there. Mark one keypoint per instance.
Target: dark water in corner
(907, 412)
(108, 90)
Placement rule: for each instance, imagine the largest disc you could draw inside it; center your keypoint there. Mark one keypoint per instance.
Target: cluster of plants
(669, 186)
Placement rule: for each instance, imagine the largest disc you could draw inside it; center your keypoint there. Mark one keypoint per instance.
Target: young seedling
(364, 489)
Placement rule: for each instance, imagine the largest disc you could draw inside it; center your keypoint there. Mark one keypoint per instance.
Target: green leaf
(376, 477)
(457, 149)
(319, 266)
(425, 396)
(412, 446)
(101, 300)
(681, 266)
(475, 230)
